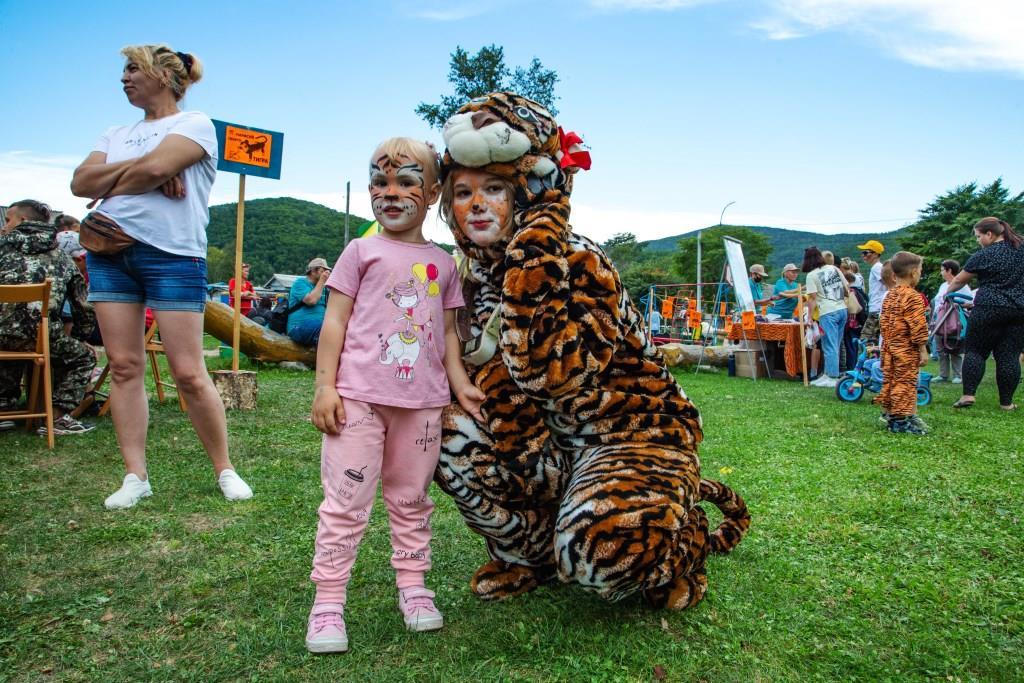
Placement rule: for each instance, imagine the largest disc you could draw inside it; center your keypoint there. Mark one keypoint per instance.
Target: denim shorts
(145, 274)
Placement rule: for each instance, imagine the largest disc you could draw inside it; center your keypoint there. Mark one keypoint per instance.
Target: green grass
(871, 557)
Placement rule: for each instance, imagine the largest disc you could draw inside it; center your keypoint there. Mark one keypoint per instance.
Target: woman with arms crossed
(154, 179)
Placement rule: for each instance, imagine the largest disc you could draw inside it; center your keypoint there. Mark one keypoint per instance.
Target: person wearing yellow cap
(871, 251)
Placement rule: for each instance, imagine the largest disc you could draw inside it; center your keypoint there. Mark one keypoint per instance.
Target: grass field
(871, 557)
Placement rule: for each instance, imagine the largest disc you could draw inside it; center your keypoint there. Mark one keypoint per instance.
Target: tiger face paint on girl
(399, 197)
(481, 205)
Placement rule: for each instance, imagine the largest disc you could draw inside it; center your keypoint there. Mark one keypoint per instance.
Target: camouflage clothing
(29, 254)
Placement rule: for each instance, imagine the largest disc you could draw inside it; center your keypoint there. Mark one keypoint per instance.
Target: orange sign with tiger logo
(249, 147)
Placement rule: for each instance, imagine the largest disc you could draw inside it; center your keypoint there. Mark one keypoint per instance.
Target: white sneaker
(957, 380)
(825, 381)
(7, 425)
(131, 492)
(233, 486)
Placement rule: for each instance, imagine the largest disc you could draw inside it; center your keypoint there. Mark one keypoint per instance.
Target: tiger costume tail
(737, 519)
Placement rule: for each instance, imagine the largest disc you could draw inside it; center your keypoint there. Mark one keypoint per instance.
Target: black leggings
(1000, 331)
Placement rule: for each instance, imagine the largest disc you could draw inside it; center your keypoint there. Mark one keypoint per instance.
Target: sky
(820, 115)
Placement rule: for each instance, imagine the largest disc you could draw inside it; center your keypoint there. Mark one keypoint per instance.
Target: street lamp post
(699, 232)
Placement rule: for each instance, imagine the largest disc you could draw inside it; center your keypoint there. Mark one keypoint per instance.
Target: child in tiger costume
(585, 467)
(904, 330)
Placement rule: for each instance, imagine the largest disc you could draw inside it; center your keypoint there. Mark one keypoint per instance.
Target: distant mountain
(282, 234)
(788, 245)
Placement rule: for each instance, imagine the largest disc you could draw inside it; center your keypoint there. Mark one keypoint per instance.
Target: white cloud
(44, 177)
(982, 35)
(29, 175)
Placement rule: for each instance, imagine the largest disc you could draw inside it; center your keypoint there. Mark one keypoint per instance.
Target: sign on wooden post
(246, 151)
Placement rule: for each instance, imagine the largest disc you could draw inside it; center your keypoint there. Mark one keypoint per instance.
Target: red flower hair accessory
(572, 154)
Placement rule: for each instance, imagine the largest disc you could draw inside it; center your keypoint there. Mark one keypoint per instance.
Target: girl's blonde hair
(176, 70)
(423, 152)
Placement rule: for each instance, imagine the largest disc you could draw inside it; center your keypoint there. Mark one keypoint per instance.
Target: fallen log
(255, 341)
(690, 354)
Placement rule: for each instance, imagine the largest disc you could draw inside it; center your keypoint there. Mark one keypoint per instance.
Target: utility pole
(348, 188)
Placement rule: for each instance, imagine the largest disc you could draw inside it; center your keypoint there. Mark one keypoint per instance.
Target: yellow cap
(872, 245)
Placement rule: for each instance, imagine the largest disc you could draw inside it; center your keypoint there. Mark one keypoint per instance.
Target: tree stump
(237, 389)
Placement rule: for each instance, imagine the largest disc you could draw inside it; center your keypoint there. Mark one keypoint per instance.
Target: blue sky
(822, 115)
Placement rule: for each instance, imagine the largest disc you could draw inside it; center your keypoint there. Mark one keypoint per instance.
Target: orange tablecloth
(789, 333)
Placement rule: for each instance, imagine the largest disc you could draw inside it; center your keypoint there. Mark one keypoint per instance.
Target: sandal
(1012, 406)
(963, 404)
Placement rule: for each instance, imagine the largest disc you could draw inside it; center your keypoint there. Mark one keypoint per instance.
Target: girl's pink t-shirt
(394, 344)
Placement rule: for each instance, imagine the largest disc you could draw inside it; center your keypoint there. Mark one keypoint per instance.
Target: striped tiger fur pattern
(586, 467)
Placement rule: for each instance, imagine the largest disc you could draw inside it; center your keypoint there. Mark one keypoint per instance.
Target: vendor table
(786, 333)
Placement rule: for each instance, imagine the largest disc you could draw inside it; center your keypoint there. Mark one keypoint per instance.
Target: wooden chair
(153, 346)
(40, 387)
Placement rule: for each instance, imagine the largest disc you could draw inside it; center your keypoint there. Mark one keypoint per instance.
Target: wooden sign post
(803, 342)
(246, 151)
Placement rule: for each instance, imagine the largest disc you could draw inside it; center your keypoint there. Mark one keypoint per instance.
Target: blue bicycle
(867, 374)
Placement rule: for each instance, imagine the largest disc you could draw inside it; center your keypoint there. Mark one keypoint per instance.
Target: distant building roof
(281, 282)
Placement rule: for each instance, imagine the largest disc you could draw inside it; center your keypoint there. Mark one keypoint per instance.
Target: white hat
(316, 263)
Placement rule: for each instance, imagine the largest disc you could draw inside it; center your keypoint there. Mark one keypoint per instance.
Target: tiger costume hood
(518, 140)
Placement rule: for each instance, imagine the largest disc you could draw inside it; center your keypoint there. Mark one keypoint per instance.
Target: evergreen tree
(485, 72)
(945, 227)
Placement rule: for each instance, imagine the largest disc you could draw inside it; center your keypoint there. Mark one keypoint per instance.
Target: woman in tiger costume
(586, 466)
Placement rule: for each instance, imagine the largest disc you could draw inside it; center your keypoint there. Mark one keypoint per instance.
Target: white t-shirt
(876, 289)
(826, 283)
(943, 288)
(177, 226)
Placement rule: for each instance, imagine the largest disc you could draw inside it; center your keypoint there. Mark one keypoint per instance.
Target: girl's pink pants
(399, 447)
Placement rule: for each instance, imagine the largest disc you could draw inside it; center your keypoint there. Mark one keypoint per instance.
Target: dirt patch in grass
(198, 523)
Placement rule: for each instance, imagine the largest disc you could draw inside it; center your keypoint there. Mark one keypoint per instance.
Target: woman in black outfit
(997, 321)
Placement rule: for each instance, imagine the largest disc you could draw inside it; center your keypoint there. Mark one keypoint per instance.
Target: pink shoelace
(326, 619)
(418, 602)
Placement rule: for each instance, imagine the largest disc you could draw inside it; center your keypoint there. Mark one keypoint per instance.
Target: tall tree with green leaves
(638, 268)
(757, 248)
(944, 228)
(486, 72)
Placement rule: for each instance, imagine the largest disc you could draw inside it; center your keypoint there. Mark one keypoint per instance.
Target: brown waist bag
(103, 236)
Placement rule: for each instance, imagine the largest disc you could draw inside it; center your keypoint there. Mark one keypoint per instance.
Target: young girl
(586, 467)
(387, 355)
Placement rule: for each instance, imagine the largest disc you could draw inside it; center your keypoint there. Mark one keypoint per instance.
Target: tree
(485, 72)
(623, 249)
(638, 268)
(944, 228)
(756, 249)
(219, 264)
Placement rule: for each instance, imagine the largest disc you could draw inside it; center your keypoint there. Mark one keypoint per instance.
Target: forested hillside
(281, 236)
(788, 245)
